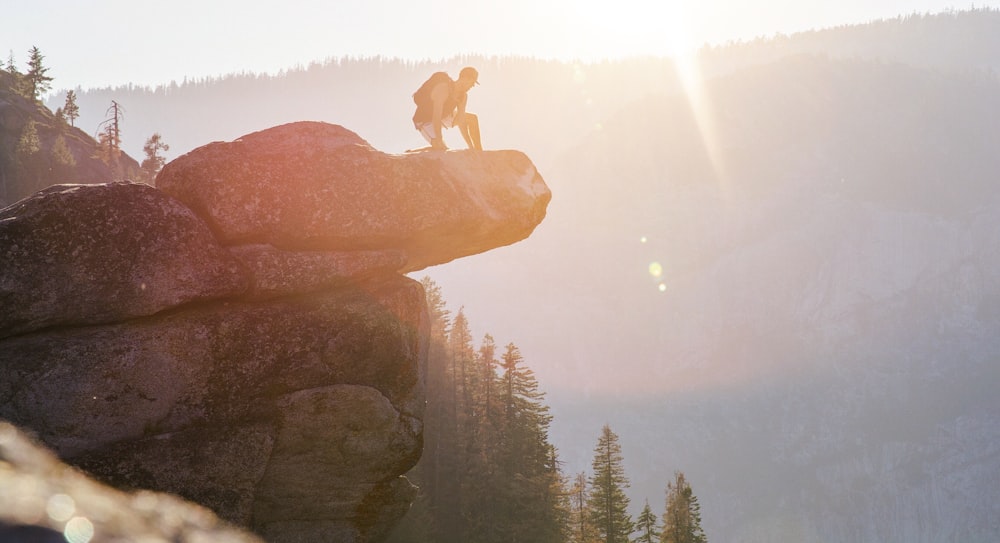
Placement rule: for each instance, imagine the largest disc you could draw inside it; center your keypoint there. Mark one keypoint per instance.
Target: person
(441, 104)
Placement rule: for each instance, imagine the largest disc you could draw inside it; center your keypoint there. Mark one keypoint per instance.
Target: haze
(117, 42)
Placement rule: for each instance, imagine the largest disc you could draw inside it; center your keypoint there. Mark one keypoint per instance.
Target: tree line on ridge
(489, 472)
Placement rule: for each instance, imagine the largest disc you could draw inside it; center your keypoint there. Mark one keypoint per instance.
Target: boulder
(87, 254)
(318, 186)
(326, 388)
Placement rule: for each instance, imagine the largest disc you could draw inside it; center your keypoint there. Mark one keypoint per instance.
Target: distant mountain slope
(822, 363)
(47, 167)
(954, 41)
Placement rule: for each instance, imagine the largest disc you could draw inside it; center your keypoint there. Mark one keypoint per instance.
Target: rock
(86, 254)
(246, 340)
(42, 499)
(276, 273)
(221, 388)
(158, 402)
(318, 186)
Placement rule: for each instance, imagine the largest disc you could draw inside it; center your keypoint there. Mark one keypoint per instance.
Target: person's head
(467, 78)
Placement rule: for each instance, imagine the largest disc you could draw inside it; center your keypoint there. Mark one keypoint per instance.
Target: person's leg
(470, 131)
(427, 131)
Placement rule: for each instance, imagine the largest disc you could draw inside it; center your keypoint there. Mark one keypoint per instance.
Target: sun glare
(692, 82)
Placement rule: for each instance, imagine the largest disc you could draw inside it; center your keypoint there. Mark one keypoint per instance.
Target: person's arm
(439, 95)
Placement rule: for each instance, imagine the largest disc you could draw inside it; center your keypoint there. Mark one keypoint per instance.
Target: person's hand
(438, 143)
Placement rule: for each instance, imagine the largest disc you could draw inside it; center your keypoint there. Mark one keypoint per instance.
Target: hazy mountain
(823, 215)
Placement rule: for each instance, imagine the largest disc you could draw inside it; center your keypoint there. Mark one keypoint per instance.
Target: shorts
(427, 129)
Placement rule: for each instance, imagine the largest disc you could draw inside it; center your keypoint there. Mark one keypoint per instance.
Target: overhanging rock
(319, 186)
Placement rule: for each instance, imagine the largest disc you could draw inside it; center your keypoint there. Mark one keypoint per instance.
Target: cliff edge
(243, 335)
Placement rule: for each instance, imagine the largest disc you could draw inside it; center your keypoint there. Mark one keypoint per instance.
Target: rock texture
(296, 187)
(271, 370)
(88, 254)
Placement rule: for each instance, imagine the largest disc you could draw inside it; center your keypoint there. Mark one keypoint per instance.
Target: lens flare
(655, 269)
(60, 507)
(79, 530)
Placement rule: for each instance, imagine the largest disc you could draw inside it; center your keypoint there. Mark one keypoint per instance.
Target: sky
(103, 43)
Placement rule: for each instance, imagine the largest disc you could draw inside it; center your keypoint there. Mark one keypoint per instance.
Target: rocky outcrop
(271, 371)
(296, 187)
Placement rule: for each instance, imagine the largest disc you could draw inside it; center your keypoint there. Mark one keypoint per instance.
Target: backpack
(423, 94)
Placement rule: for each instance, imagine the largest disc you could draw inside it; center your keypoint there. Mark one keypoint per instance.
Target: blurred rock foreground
(242, 336)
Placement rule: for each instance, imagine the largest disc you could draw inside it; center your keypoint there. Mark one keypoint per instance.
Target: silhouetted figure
(441, 104)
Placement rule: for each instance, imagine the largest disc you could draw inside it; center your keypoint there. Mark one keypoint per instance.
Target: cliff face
(243, 337)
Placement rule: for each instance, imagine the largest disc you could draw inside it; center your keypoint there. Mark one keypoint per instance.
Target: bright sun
(631, 27)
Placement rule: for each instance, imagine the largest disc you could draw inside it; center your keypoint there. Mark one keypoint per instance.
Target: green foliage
(488, 473)
(70, 110)
(607, 501)
(29, 161)
(579, 528)
(646, 526)
(36, 80)
(153, 162)
(682, 519)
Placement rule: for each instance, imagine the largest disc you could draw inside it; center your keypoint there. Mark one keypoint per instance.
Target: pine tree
(682, 518)
(579, 528)
(153, 161)
(607, 502)
(109, 141)
(532, 492)
(488, 473)
(70, 109)
(28, 156)
(37, 81)
(646, 526)
(17, 85)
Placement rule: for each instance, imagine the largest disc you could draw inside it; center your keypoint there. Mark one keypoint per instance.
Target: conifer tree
(109, 141)
(17, 85)
(36, 80)
(28, 155)
(646, 526)
(488, 473)
(533, 491)
(579, 528)
(70, 109)
(153, 162)
(607, 502)
(682, 518)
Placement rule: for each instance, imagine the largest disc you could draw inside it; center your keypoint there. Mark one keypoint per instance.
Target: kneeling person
(441, 104)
